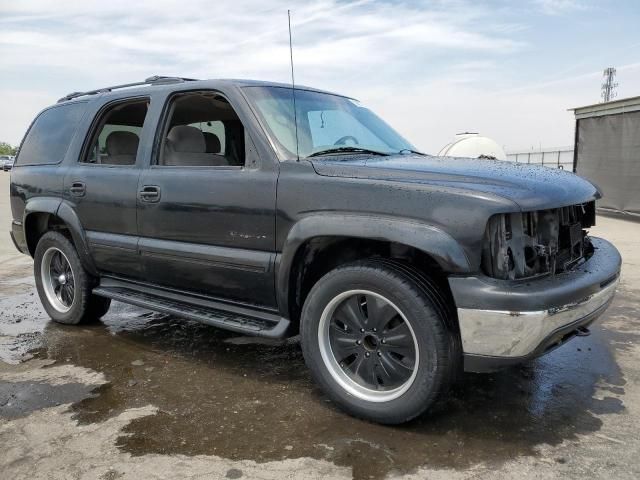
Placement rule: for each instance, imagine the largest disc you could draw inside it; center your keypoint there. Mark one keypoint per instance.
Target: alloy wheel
(368, 345)
(57, 279)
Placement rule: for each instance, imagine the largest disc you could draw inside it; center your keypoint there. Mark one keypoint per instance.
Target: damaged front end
(530, 244)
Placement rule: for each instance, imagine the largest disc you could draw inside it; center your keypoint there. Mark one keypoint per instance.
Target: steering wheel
(343, 140)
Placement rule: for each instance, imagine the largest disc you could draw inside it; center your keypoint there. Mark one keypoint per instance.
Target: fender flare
(40, 205)
(433, 241)
(69, 216)
(33, 206)
(61, 209)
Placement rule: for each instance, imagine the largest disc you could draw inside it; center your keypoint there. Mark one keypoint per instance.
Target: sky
(506, 69)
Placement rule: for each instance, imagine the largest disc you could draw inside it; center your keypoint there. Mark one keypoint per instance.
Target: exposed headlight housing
(529, 244)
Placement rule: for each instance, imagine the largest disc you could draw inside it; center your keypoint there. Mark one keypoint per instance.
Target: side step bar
(217, 314)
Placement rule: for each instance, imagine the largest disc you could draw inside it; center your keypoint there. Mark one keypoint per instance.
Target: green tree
(6, 149)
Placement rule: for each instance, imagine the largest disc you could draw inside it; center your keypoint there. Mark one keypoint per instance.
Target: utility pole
(608, 84)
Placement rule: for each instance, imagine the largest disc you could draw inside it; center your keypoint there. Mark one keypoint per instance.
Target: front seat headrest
(212, 142)
(186, 139)
(122, 143)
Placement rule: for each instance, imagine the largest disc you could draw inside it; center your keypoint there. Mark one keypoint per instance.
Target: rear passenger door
(102, 186)
(206, 204)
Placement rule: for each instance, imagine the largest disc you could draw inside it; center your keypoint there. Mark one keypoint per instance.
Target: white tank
(473, 145)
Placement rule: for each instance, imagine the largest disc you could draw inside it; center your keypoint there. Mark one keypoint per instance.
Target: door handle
(78, 189)
(150, 193)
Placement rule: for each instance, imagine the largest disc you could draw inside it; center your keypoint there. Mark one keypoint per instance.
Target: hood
(531, 187)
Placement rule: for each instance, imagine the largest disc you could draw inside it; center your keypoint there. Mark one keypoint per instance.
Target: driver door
(206, 207)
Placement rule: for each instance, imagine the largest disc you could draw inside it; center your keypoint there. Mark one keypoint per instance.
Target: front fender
(433, 241)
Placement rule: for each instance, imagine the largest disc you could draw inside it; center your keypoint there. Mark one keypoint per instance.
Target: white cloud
(19, 107)
(72, 45)
(200, 35)
(560, 7)
(431, 67)
(199, 32)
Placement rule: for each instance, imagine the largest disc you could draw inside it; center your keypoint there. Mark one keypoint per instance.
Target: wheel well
(37, 224)
(319, 255)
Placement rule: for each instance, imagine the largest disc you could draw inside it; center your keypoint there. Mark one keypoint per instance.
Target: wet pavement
(254, 400)
(249, 399)
(191, 397)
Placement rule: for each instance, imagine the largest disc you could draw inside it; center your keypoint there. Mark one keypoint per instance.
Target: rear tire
(64, 286)
(376, 341)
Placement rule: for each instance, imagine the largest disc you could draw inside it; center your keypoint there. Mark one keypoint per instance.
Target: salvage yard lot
(145, 395)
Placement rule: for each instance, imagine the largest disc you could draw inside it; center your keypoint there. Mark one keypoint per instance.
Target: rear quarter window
(50, 134)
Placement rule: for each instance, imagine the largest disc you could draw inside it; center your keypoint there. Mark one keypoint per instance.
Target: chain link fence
(561, 157)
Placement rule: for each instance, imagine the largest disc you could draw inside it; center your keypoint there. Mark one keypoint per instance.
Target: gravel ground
(144, 395)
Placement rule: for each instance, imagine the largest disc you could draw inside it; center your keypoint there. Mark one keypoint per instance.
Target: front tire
(375, 340)
(63, 284)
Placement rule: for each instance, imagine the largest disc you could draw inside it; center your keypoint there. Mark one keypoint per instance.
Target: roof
(166, 82)
(623, 105)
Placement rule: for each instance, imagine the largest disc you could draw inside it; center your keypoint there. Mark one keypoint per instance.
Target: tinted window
(48, 138)
(116, 135)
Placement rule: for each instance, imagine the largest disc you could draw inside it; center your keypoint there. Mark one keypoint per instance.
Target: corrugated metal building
(607, 152)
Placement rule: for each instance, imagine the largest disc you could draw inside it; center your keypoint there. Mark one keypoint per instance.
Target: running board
(217, 314)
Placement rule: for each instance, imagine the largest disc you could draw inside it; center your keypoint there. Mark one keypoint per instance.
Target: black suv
(271, 211)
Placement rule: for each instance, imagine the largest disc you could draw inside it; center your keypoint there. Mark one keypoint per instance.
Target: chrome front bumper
(506, 323)
(518, 334)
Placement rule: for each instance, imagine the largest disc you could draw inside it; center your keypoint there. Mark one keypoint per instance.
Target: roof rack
(154, 80)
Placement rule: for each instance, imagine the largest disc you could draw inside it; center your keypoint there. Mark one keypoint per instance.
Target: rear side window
(50, 134)
(116, 134)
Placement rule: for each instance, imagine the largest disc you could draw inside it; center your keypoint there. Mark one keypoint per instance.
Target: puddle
(220, 394)
(248, 399)
(19, 399)
(22, 318)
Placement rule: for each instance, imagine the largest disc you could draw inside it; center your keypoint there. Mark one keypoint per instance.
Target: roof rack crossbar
(154, 80)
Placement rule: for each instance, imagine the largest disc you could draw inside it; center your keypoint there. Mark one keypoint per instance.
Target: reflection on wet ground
(245, 398)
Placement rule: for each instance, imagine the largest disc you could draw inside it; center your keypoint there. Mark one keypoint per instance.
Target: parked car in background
(6, 162)
(236, 204)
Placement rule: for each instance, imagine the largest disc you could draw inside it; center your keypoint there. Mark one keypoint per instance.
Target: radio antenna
(293, 86)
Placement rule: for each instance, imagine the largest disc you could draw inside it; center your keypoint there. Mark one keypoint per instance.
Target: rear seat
(122, 148)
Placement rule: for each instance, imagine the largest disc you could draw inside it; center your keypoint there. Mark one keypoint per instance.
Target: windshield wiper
(330, 151)
(408, 150)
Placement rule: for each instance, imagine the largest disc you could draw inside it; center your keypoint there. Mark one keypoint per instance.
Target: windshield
(325, 122)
